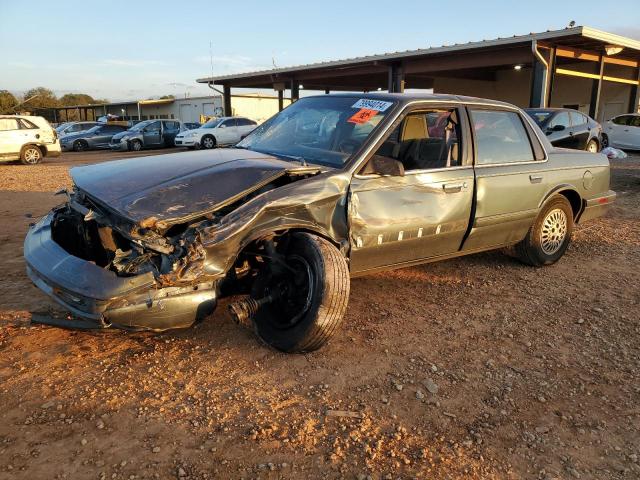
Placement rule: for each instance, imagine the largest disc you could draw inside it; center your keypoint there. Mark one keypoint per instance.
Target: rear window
(577, 119)
(500, 137)
(623, 120)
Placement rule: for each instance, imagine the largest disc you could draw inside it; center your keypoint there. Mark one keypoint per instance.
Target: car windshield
(59, 128)
(324, 130)
(539, 116)
(139, 126)
(213, 123)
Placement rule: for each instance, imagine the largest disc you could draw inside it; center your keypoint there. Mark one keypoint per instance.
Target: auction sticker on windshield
(363, 115)
(378, 105)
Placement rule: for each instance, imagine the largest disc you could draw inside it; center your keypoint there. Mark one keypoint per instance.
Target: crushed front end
(110, 271)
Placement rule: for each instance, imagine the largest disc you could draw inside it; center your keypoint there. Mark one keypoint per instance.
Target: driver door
(403, 219)
(227, 132)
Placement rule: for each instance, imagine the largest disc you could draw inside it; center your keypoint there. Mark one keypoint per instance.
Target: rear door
(170, 129)
(511, 181)
(396, 220)
(152, 134)
(579, 130)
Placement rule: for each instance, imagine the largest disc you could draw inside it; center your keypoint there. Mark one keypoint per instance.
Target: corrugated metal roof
(587, 32)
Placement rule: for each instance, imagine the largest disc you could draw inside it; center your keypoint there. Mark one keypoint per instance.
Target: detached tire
(550, 235)
(312, 296)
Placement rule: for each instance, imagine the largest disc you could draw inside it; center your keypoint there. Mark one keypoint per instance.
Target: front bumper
(186, 142)
(121, 146)
(105, 299)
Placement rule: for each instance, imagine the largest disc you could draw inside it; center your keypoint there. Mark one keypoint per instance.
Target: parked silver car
(148, 134)
(69, 128)
(94, 138)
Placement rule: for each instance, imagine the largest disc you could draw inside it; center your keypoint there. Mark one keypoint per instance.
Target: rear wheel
(550, 235)
(208, 142)
(136, 145)
(80, 146)
(31, 155)
(307, 296)
(592, 146)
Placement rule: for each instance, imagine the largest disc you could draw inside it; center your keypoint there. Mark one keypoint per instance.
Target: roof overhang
(473, 60)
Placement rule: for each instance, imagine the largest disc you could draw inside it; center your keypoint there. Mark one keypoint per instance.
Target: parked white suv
(28, 139)
(216, 132)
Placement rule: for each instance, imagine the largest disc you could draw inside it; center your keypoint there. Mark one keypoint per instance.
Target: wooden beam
(568, 52)
(489, 58)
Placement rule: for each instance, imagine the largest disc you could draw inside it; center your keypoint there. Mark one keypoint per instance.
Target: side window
(7, 124)
(26, 124)
(230, 123)
(425, 140)
(622, 120)
(577, 119)
(172, 126)
(153, 128)
(500, 137)
(561, 118)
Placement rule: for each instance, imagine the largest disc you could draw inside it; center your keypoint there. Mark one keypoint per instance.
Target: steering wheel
(348, 146)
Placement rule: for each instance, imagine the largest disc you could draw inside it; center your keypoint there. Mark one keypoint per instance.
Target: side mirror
(385, 166)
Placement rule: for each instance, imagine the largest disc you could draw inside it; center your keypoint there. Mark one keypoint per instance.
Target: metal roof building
(580, 67)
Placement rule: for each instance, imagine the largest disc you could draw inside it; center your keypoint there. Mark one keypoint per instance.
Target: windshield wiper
(302, 161)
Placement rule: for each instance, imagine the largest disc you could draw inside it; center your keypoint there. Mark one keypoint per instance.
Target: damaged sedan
(332, 187)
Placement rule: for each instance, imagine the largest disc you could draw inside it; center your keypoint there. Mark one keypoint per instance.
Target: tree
(72, 99)
(166, 97)
(39, 98)
(7, 102)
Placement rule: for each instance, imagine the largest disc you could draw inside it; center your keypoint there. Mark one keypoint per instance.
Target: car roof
(413, 96)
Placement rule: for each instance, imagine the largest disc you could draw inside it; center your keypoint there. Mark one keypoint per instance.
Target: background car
(74, 127)
(148, 134)
(192, 125)
(28, 139)
(217, 131)
(568, 128)
(97, 137)
(623, 131)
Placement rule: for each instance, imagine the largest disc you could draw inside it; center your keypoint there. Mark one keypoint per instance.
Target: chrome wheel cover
(32, 155)
(208, 142)
(554, 231)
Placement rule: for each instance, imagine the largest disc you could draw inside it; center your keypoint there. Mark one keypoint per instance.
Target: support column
(295, 91)
(327, 91)
(226, 99)
(596, 88)
(396, 78)
(139, 117)
(634, 97)
(280, 100)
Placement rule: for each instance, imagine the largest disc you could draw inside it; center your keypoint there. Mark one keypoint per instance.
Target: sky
(124, 50)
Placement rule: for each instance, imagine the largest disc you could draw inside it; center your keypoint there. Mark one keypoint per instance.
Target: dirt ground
(477, 367)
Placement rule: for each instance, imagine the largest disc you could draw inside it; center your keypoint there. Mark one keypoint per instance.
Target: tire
(135, 145)
(80, 146)
(31, 155)
(605, 140)
(325, 296)
(592, 146)
(208, 142)
(550, 235)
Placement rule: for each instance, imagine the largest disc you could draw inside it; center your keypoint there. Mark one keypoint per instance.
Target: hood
(176, 187)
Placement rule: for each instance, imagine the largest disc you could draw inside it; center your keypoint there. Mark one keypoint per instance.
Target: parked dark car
(148, 134)
(331, 187)
(568, 128)
(192, 125)
(94, 138)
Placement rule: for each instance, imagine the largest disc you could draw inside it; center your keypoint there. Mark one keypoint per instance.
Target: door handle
(453, 187)
(535, 178)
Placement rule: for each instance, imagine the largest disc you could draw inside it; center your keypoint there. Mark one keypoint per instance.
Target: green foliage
(38, 98)
(72, 99)
(7, 102)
